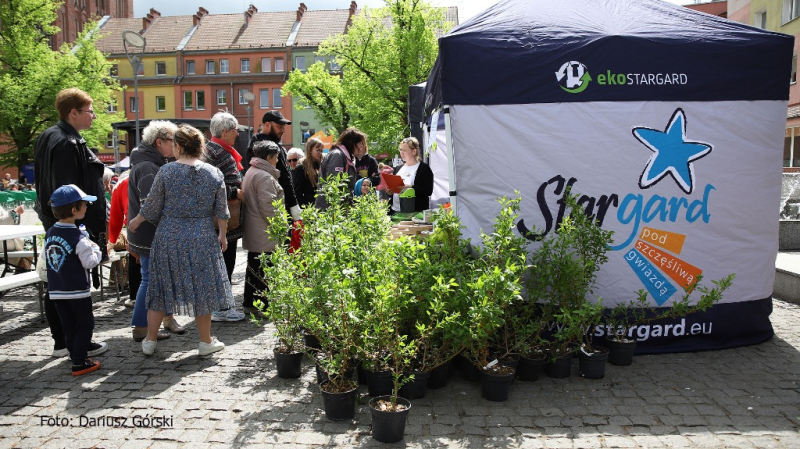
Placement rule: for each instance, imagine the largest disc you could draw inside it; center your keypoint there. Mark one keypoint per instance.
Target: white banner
(688, 188)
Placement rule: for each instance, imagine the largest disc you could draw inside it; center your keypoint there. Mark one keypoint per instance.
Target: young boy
(70, 255)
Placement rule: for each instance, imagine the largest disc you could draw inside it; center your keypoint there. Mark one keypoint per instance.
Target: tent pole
(451, 165)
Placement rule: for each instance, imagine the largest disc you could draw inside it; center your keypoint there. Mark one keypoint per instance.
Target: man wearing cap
(272, 129)
(61, 157)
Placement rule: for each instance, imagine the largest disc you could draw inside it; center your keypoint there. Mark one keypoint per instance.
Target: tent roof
(511, 53)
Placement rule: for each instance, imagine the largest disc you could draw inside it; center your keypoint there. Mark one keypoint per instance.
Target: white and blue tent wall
(667, 121)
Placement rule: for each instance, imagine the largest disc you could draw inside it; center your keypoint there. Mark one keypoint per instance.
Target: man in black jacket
(62, 157)
(272, 129)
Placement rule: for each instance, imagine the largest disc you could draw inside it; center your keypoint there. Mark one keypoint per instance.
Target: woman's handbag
(235, 210)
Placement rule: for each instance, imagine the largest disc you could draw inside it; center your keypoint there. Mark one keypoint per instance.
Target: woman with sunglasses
(305, 176)
(293, 157)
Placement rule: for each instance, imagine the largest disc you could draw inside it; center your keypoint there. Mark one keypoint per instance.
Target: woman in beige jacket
(260, 188)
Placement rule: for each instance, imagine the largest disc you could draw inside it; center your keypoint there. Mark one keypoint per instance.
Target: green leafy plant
(624, 317)
(495, 284)
(563, 277)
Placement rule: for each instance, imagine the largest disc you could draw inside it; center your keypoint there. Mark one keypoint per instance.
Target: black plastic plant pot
(290, 366)
(361, 372)
(439, 376)
(311, 341)
(495, 387)
(339, 406)
(416, 388)
(468, 370)
(530, 370)
(379, 383)
(620, 353)
(593, 366)
(388, 426)
(561, 368)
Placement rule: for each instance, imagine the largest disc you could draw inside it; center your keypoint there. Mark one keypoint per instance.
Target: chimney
(149, 19)
(201, 12)
(154, 13)
(248, 15)
(300, 11)
(353, 8)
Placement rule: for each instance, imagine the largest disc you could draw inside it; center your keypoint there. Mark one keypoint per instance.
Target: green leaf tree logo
(573, 77)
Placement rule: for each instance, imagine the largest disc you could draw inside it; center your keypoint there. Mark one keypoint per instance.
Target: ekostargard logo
(573, 77)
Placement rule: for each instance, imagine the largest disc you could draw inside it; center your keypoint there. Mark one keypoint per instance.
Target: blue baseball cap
(69, 193)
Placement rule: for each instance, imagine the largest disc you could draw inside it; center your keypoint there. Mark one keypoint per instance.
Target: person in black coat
(415, 173)
(273, 124)
(62, 157)
(305, 176)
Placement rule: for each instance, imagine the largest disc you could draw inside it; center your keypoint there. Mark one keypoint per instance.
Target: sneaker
(97, 348)
(173, 326)
(58, 353)
(210, 348)
(87, 367)
(130, 303)
(149, 346)
(227, 315)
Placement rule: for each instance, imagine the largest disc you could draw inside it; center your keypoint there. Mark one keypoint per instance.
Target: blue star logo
(672, 155)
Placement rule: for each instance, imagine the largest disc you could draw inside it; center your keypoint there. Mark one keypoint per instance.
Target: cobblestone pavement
(745, 397)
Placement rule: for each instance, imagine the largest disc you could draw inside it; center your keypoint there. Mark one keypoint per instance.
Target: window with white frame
(221, 96)
(200, 104)
(161, 104)
(133, 104)
(242, 100)
(790, 10)
(113, 70)
(110, 140)
(210, 67)
(279, 67)
(300, 63)
(760, 19)
(190, 67)
(111, 107)
(188, 100)
(245, 66)
(791, 147)
(319, 59)
(277, 102)
(161, 68)
(266, 65)
(335, 67)
(793, 78)
(223, 66)
(263, 98)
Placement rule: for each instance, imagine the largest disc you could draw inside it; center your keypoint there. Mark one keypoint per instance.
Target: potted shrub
(326, 270)
(566, 267)
(625, 317)
(496, 283)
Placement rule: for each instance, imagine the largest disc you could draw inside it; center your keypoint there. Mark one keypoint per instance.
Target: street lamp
(248, 97)
(135, 40)
(303, 131)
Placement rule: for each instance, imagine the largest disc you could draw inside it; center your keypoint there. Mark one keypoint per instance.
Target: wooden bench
(21, 280)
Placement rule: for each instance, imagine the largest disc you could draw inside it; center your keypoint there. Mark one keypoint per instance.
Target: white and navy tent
(668, 122)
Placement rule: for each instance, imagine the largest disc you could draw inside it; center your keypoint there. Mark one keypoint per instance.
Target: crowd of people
(186, 202)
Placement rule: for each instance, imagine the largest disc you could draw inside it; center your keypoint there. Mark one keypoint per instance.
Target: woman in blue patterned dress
(187, 271)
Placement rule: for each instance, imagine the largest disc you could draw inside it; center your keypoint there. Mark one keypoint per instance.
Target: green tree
(384, 51)
(31, 74)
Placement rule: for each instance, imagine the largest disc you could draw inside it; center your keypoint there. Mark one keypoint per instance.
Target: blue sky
(466, 8)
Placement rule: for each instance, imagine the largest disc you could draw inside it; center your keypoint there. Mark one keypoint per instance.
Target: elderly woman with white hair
(221, 154)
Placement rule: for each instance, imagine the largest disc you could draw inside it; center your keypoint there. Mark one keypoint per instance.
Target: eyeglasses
(90, 111)
(293, 160)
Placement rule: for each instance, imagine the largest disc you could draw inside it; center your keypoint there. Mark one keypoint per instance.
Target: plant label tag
(491, 364)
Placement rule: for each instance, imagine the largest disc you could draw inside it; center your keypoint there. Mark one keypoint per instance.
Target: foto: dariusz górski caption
(148, 421)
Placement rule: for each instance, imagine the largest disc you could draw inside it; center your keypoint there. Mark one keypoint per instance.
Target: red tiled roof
(166, 33)
(111, 40)
(319, 25)
(228, 31)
